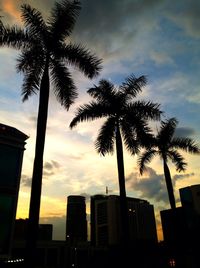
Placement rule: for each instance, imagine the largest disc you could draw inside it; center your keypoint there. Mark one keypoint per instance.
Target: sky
(148, 37)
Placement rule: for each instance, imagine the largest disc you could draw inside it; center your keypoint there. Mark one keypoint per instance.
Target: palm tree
(46, 51)
(166, 145)
(124, 119)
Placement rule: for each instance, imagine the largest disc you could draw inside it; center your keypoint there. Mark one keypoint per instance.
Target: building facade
(12, 142)
(76, 223)
(190, 197)
(181, 226)
(106, 225)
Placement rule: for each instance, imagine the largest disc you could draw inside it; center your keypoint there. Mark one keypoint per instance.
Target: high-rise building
(181, 225)
(106, 225)
(190, 197)
(76, 223)
(190, 200)
(174, 226)
(12, 142)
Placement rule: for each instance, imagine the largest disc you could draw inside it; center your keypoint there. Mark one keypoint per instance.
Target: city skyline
(154, 39)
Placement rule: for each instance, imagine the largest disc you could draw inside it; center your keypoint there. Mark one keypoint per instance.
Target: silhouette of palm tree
(125, 119)
(45, 53)
(166, 145)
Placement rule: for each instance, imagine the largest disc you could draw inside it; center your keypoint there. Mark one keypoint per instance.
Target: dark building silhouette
(174, 225)
(45, 232)
(190, 197)
(93, 216)
(190, 200)
(182, 225)
(76, 223)
(12, 142)
(181, 228)
(106, 225)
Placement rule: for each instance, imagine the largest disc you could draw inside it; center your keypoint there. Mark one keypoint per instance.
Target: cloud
(183, 176)
(184, 131)
(51, 165)
(152, 186)
(186, 16)
(161, 58)
(50, 168)
(26, 180)
(112, 31)
(11, 9)
(33, 119)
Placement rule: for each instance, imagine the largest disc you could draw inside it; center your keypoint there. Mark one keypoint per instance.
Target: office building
(106, 225)
(190, 200)
(76, 223)
(174, 226)
(12, 142)
(181, 226)
(45, 231)
(190, 197)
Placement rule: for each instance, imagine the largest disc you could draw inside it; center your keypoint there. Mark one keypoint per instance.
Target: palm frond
(34, 22)
(185, 144)
(1, 26)
(80, 57)
(105, 91)
(144, 133)
(31, 58)
(89, 112)
(63, 18)
(14, 37)
(145, 110)
(130, 138)
(177, 159)
(167, 130)
(145, 158)
(31, 83)
(132, 85)
(106, 137)
(64, 87)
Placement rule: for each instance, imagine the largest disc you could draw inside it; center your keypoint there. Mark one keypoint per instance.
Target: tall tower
(106, 226)
(190, 197)
(190, 200)
(93, 215)
(12, 142)
(76, 223)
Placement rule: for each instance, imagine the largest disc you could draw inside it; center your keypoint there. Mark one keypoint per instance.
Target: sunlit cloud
(12, 9)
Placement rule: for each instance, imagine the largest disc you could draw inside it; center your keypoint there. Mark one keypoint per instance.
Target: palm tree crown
(46, 51)
(166, 145)
(44, 47)
(117, 105)
(125, 119)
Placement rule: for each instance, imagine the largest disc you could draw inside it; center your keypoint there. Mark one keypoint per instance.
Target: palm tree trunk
(122, 189)
(36, 188)
(169, 185)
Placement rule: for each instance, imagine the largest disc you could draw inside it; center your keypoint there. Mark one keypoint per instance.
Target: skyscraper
(190, 197)
(76, 223)
(12, 142)
(190, 200)
(181, 225)
(105, 220)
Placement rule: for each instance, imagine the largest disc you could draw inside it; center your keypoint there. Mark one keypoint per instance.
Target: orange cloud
(10, 7)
